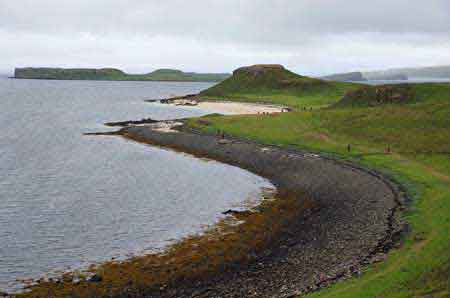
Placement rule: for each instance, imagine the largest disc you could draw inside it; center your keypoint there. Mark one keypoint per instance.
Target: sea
(69, 200)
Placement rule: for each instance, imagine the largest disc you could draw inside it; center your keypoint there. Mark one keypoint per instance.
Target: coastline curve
(358, 221)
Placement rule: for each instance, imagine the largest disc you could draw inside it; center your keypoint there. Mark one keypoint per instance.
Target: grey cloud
(219, 34)
(228, 19)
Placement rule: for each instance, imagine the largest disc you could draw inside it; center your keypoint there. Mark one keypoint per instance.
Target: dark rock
(236, 212)
(95, 278)
(127, 123)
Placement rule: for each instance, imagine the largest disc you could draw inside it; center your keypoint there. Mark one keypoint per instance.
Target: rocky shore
(357, 222)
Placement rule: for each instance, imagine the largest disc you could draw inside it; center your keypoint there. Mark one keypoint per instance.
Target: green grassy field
(418, 137)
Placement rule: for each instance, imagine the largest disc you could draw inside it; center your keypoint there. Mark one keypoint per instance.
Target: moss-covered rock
(370, 96)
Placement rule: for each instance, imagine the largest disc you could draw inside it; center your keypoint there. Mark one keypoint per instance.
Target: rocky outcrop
(258, 69)
(132, 122)
(378, 95)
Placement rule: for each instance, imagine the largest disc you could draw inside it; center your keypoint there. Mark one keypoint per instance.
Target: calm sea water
(67, 200)
(410, 81)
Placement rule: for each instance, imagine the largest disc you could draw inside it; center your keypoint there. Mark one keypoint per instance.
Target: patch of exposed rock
(259, 69)
(378, 95)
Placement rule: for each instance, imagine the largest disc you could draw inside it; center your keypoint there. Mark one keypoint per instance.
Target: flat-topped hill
(112, 74)
(275, 84)
(257, 77)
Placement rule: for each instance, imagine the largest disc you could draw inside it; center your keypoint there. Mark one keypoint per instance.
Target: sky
(310, 37)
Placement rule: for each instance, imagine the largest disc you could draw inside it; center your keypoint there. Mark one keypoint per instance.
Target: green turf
(418, 134)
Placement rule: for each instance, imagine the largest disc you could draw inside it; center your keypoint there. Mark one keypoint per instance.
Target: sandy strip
(238, 108)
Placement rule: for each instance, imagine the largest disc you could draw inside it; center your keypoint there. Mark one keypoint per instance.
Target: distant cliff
(436, 72)
(385, 76)
(346, 77)
(394, 74)
(112, 74)
(366, 76)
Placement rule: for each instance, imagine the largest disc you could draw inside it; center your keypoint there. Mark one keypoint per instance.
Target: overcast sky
(307, 36)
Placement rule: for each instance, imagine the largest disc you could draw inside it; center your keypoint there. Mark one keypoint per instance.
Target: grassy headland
(112, 74)
(404, 133)
(276, 85)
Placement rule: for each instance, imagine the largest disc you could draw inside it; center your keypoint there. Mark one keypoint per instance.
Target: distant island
(363, 77)
(113, 74)
(394, 74)
(346, 77)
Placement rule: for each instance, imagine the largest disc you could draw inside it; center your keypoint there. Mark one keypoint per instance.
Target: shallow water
(67, 200)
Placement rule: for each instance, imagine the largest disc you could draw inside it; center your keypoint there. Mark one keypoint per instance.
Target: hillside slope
(277, 85)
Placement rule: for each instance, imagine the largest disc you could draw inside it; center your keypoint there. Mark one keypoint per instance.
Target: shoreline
(355, 220)
(358, 222)
(224, 106)
(220, 107)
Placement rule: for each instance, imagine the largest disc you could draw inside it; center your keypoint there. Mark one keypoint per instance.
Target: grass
(418, 136)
